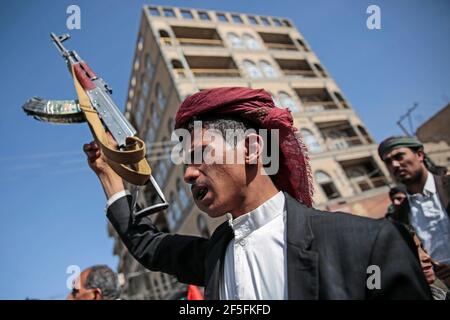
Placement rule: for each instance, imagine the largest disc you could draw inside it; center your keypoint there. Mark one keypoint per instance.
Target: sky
(52, 206)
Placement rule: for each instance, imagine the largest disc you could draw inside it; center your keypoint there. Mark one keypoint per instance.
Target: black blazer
(327, 254)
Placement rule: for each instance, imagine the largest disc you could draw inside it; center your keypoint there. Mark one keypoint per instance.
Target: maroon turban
(256, 106)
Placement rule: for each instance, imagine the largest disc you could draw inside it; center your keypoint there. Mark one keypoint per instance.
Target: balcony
(339, 135)
(317, 99)
(364, 174)
(295, 67)
(278, 41)
(207, 66)
(191, 36)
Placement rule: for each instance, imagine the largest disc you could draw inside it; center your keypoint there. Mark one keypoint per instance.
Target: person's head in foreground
(426, 262)
(404, 158)
(398, 196)
(98, 282)
(230, 174)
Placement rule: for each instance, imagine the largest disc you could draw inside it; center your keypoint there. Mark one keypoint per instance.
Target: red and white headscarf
(256, 106)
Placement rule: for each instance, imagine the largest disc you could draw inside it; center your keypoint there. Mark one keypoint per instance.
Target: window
(252, 20)
(139, 115)
(155, 115)
(154, 12)
(145, 87)
(327, 185)
(250, 42)
(182, 195)
(174, 212)
(234, 39)
(148, 66)
(186, 14)
(265, 21)
(169, 13)
(161, 98)
(150, 136)
(302, 44)
(287, 101)
(287, 23)
(140, 44)
(178, 67)
(222, 17)
(236, 18)
(268, 70)
(252, 70)
(277, 22)
(161, 168)
(311, 141)
(203, 15)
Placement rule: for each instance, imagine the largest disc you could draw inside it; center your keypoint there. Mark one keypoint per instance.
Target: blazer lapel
(214, 260)
(302, 262)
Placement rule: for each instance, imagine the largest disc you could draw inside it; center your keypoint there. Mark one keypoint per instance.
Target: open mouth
(199, 192)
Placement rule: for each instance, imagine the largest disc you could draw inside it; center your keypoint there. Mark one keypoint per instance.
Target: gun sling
(130, 164)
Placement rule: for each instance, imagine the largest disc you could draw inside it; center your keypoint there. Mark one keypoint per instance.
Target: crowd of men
(274, 244)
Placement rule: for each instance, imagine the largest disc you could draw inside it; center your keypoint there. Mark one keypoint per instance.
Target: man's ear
(254, 146)
(97, 294)
(421, 155)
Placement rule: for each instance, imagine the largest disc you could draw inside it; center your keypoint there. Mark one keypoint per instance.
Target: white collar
(253, 220)
(429, 188)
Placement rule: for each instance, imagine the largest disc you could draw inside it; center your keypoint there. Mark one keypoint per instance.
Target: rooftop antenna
(408, 115)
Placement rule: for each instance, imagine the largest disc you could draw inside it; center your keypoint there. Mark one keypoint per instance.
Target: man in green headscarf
(427, 193)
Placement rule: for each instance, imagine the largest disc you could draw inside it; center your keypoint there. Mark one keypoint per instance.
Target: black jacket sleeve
(401, 276)
(181, 256)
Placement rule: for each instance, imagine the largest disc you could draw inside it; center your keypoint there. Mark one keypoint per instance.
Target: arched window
(310, 140)
(150, 136)
(268, 70)
(182, 195)
(235, 41)
(161, 97)
(149, 69)
(155, 115)
(364, 133)
(250, 42)
(140, 112)
(252, 70)
(177, 66)
(287, 101)
(174, 212)
(165, 37)
(145, 87)
(327, 184)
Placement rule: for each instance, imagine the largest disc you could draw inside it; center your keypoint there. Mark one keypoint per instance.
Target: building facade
(181, 51)
(435, 135)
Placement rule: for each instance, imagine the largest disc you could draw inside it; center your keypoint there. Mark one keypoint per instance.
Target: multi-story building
(435, 135)
(180, 51)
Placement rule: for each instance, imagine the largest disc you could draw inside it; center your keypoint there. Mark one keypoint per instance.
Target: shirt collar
(255, 219)
(429, 188)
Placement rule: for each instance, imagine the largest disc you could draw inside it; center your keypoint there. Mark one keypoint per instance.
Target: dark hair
(394, 190)
(222, 125)
(103, 278)
(429, 164)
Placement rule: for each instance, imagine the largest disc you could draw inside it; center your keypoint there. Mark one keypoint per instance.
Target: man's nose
(191, 174)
